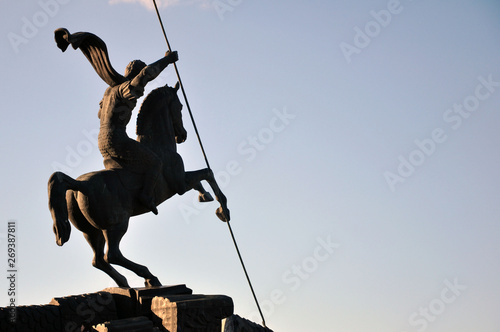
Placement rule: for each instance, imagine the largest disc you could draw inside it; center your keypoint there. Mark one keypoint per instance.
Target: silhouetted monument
(139, 174)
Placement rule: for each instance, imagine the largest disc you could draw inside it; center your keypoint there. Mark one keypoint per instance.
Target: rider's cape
(94, 49)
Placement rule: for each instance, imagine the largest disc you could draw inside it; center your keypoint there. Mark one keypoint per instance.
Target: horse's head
(159, 122)
(175, 108)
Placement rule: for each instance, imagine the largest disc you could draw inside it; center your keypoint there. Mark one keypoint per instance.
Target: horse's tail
(58, 184)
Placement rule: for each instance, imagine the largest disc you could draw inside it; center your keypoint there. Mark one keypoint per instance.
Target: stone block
(33, 318)
(191, 313)
(133, 302)
(235, 323)
(85, 310)
(136, 324)
(125, 301)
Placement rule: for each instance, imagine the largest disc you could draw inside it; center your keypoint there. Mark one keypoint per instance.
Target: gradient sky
(356, 141)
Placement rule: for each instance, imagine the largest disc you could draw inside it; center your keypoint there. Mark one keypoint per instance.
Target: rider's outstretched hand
(173, 56)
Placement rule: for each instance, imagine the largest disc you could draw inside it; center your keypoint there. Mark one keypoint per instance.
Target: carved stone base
(193, 313)
(235, 323)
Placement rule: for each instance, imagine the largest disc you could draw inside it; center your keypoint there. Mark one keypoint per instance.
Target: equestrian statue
(139, 174)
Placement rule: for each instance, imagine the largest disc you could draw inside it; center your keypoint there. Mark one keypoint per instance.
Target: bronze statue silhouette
(138, 175)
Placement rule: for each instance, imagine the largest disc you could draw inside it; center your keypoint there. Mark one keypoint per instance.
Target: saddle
(123, 170)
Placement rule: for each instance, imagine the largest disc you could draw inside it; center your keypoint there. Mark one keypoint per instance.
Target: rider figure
(115, 112)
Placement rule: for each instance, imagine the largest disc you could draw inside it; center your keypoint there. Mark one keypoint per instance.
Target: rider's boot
(147, 197)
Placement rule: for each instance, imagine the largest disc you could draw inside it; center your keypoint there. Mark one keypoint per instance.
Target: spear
(206, 160)
(182, 87)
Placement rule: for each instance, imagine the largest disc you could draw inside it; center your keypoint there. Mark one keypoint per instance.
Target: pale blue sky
(364, 184)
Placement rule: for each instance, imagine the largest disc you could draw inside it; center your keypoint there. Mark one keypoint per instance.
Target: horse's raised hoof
(206, 197)
(149, 203)
(152, 282)
(223, 213)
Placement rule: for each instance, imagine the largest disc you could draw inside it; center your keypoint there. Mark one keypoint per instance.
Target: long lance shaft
(182, 87)
(206, 160)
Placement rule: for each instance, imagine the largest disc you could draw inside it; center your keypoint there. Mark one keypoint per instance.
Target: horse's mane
(154, 100)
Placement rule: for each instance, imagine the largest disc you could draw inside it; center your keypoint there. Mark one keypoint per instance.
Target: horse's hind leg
(113, 237)
(96, 240)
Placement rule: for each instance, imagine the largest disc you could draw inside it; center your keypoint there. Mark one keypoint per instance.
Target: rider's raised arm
(150, 72)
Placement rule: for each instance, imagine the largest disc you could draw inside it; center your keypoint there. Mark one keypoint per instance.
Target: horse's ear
(177, 85)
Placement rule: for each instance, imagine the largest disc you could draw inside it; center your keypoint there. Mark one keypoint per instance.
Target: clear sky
(356, 141)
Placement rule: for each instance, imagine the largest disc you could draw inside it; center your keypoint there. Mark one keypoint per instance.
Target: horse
(100, 203)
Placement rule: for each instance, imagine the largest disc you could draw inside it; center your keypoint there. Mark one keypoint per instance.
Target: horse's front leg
(194, 177)
(203, 196)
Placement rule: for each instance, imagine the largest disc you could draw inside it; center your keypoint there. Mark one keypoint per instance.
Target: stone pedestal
(166, 308)
(133, 302)
(192, 313)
